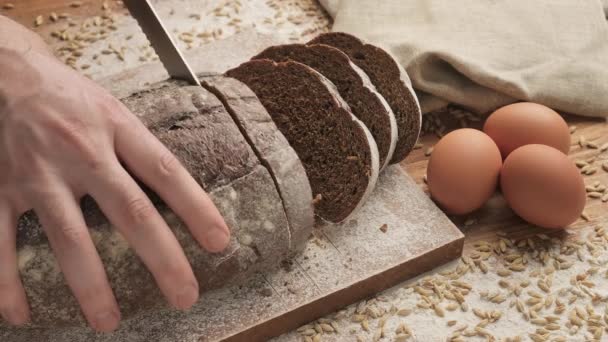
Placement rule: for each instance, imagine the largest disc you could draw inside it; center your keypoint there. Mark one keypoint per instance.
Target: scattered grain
(582, 141)
(404, 312)
(590, 171)
(327, 328)
(592, 145)
(384, 228)
(38, 21)
(517, 267)
(503, 272)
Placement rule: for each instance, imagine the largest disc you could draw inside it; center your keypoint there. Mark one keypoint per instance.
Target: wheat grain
(38, 21)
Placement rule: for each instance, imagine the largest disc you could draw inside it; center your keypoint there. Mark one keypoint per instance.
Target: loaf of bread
(390, 80)
(353, 85)
(272, 143)
(337, 150)
(195, 126)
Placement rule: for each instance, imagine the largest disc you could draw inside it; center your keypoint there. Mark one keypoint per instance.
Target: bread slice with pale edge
(338, 152)
(353, 85)
(392, 83)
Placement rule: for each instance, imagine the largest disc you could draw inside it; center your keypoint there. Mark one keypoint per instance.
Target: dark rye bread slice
(392, 83)
(194, 125)
(272, 149)
(338, 152)
(354, 86)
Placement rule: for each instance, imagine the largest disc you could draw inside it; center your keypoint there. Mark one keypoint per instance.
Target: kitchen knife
(160, 39)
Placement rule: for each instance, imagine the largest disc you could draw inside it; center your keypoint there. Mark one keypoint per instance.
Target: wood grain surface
(485, 224)
(26, 11)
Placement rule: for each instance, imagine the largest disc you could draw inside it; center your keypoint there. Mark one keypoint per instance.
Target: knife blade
(161, 41)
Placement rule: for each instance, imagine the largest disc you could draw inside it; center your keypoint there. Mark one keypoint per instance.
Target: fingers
(13, 302)
(130, 210)
(154, 164)
(62, 220)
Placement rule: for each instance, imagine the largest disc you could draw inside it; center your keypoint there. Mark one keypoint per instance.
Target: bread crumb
(384, 228)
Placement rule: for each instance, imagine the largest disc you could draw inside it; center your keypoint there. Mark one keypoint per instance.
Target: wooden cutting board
(399, 233)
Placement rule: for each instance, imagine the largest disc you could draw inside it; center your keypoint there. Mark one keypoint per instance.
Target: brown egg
(543, 186)
(526, 123)
(463, 170)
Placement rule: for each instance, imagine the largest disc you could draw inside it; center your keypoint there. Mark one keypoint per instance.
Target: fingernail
(106, 321)
(187, 297)
(217, 239)
(15, 317)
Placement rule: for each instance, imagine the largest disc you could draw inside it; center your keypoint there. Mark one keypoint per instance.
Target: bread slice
(390, 79)
(272, 149)
(338, 152)
(354, 86)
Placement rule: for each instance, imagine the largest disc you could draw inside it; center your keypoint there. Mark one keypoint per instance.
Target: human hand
(63, 137)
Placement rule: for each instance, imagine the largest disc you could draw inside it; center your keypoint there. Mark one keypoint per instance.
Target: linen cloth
(483, 54)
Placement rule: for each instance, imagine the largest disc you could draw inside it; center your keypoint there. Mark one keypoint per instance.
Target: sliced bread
(272, 149)
(354, 86)
(339, 153)
(392, 83)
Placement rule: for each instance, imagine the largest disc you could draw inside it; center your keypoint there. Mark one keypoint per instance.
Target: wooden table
(488, 222)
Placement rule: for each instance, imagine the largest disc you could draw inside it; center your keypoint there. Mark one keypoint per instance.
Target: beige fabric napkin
(485, 54)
